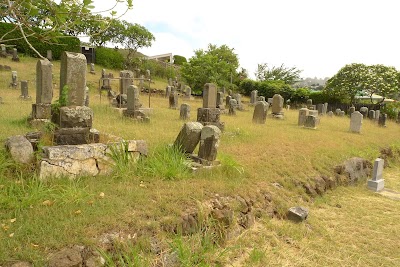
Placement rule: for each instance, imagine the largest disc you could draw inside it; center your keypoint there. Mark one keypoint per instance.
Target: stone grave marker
(73, 75)
(49, 55)
(377, 183)
(41, 110)
(377, 114)
(261, 98)
(232, 107)
(189, 137)
(260, 112)
(14, 78)
(92, 70)
(337, 111)
(351, 110)
(3, 52)
(311, 122)
(126, 79)
(330, 113)
(364, 111)
(184, 113)
(209, 114)
(220, 101)
(382, 120)
(24, 91)
(277, 106)
(173, 99)
(209, 142)
(253, 97)
(227, 99)
(303, 113)
(356, 119)
(209, 96)
(371, 114)
(168, 91)
(15, 56)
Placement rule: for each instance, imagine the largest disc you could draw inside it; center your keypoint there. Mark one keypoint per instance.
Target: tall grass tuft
(165, 162)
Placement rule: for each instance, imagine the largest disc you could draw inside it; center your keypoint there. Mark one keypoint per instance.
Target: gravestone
(371, 114)
(103, 73)
(209, 96)
(309, 103)
(364, 111)
(49, 55)
(356, 119)
(41, 110)
(325, 110)
(238, 98)
(337, 111)
(230, 92)
(92, 71)
(351, 110)
(106, 84)
(125, 80)
(260, 112)
(312, 107)
(377, 114)
(189, 137)
(303, 113)
(141, 82)
(311, 122)
(377, 183)
(133, 104)
(14, 77)
(15, 56)
(220, 101)
(277, 106)
(73, 75)
(261, 98)
(342, 113)
(173, 100)
(320, 108)
(188, 92)
(184, 113)
(253, 97)
(382, 120)
(227, 99)
(3, 52)
(232, 107)
(168, 91)
(24, 91)
(209, 114)
(209, 142)
(330, 113)
(86, 96)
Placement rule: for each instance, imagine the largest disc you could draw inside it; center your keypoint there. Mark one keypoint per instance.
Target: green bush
(109, 58)
(391, 109)
(57, 46)
(324, 97)
(179, 60)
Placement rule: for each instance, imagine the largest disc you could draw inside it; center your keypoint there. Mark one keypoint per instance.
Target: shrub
(179, 60)
(391, 109)
(109, 58)
(57, 46)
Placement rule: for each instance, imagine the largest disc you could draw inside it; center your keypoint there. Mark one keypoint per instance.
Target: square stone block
(41, 111)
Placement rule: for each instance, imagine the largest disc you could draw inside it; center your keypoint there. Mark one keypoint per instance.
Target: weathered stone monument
(24, 91)
(330, 113)
(188, 137)
(49, 55)
(309, 103)
(337, 111)
(277, 106)
(356, 119)
(261, 98)
(220, 101)
(253, 97)
(382, 120)
(15, 56)
(342, 113)
(184, 113)
(311, 122)
(377, 114)
(303, 113)
(168, 91)
(351, 110)
(377, 183)
(92, 70)
(232, 107)
(3, 52)
(133, 105)
(239, 105)
(188, 93)
(260, 112)
(41, 110)
(364, 111)
(126, 79)
(209, 142)
(14, 78)
(173, 99)
(209, 114)
(371, 114)
(73, 118)
(227, 99)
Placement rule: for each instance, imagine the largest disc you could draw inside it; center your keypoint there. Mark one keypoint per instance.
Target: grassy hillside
(144, 202)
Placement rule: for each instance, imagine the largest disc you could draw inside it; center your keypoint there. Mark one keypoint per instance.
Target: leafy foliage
(109, 58)
(282, 73)
(357, 78)
(57, 46)
(179, 60)
(216, 65)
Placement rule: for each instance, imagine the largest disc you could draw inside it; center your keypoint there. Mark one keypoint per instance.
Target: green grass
(149, 198)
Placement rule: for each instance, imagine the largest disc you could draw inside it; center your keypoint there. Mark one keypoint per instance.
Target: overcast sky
(316, 36)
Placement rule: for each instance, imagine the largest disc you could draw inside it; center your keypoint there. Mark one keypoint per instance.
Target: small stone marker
(227, 99)
(126, 79)
(297, 214)
(337, 111)
(3, 52)
(356, 119)
(309, 103)
(41, 110)
(253, 97)
(330, 113)
(209, 142)
(261, 98)
(92, 71)
(364, 111)
(377, 114)
(184, 113)
(189, 137)
(173, 100)
(311, 122)
(277, 106)
(342, 113)
(320, 108)
(371, 114)
(49, 55)
(260, 112)
(15, 55)
(382, 120)
(232, 107)
(14, 77)
(188, 92)
(24, 91)
(303, 113)
(220, 101)
(351, 110)
(168, 91)
(377, 183)
(238, 98)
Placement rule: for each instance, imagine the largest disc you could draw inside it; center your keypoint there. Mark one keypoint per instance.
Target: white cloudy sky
(316, 36)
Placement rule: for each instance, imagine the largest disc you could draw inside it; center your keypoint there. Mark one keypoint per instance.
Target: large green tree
(215, 64)
(356, 78)
(52, 18)
(289, 75)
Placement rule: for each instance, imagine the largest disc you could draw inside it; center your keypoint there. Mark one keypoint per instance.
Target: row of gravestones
(14, 53)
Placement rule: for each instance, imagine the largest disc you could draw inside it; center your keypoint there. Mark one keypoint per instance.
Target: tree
(179, 60)
(283, 73)
(216, 65)
(132, 37)
(54, 19)
(358, 78)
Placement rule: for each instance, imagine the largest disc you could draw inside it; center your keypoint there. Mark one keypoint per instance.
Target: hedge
(57, 46)
(109, 58)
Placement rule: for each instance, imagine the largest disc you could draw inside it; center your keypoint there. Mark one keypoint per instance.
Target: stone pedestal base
(204, 162)
(41, 111)
(73, 136)
(376, 185)
(38, 123)
(210, 116)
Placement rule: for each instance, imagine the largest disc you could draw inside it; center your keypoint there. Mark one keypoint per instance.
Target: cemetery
(119, 159)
